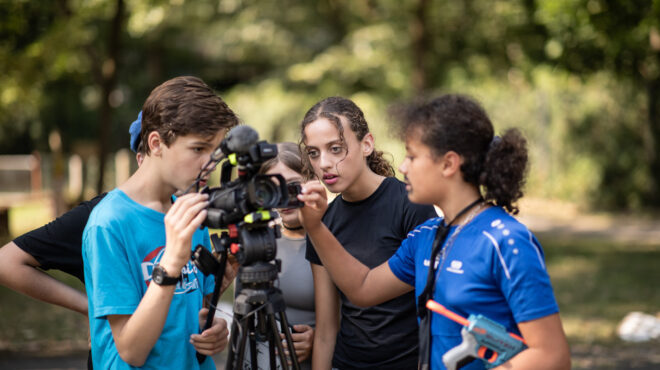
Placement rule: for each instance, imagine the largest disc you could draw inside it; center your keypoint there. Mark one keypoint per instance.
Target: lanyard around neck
(440, 237)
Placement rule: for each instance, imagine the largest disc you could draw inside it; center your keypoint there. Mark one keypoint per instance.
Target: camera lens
(263, 193)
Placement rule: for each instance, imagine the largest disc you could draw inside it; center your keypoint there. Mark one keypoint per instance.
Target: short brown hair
(181, 106)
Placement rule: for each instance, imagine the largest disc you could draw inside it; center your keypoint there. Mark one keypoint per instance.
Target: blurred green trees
(580, 77)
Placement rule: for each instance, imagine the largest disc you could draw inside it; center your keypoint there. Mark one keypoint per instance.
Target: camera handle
(208, 262)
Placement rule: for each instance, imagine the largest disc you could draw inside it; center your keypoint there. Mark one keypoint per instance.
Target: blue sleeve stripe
(536, 248)
(499, 254)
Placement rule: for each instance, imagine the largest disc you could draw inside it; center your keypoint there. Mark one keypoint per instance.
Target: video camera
(243, 208)
(250, 192)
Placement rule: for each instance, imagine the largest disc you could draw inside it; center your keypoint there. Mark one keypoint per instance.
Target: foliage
(576, 75)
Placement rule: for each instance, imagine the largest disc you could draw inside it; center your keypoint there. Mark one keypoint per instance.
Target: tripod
(255, 309)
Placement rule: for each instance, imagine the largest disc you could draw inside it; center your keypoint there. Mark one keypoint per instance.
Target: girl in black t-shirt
(370, 217)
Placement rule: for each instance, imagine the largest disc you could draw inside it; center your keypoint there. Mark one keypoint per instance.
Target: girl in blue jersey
(485, 261)
(370, 216)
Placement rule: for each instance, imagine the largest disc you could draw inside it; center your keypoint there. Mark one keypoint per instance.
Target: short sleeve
(310, 253)
(416, 214)
(519, 270)
(108, 276)
(58, 244)
(402, 263)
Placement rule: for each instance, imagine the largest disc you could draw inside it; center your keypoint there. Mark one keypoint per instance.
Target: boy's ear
(367, 144)
(451, 163)
(155, 143)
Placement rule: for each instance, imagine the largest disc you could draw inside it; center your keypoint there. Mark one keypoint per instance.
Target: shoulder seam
(423, 226)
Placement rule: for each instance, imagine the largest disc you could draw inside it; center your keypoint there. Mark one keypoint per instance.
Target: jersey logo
(427, 263)
(456, 267)
(188, 282)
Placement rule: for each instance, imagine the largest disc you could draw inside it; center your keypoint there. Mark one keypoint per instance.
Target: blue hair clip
(134, 130)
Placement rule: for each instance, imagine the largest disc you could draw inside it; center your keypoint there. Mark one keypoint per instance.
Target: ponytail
(495, 165)
(379, 165)
(504, 170)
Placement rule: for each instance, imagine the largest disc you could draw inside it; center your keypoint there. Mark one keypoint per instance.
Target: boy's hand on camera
(316, 203)
(303, 341)
(212, 340)
(181, 221)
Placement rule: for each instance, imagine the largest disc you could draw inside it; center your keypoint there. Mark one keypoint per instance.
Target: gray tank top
(296, 281)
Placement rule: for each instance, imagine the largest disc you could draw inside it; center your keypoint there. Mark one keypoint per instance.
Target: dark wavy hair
(333, 109)
(495, 165)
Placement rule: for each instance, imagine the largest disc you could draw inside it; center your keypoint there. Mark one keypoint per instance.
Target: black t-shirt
(382, 336)
(58, 244)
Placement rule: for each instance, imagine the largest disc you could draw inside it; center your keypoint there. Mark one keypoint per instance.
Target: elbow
(361, 300)
(131, 356)
(564, 361)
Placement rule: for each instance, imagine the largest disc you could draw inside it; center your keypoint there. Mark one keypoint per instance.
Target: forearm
(548, 348)
(324, 348)
(136, 335)
(39, 285)
(538, 359)
(18, 271)
(346, 271)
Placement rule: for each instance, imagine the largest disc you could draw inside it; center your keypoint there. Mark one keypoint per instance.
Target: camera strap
(423, 313)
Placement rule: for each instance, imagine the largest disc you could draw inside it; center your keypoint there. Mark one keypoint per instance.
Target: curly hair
(333, 109)
(495, 165)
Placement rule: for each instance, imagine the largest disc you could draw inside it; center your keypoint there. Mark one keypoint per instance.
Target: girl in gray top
(295, 279)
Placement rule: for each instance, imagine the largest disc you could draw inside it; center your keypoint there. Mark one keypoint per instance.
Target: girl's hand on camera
(316, 203)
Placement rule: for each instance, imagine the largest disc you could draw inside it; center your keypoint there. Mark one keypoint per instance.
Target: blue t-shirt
(121, 243)
(494, 267)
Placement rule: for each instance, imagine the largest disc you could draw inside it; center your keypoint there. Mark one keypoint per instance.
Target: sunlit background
(581, 78)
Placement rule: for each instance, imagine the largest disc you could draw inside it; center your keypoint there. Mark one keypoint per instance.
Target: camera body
(232, 201)
(245, 206)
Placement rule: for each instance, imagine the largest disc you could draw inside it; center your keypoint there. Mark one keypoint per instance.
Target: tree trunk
(109, 71)
(653, 93)
(420, 41)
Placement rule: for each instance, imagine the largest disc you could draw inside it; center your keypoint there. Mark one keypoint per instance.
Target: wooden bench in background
(20, 182)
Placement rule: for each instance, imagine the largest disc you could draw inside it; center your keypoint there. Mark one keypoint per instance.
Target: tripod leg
(233, 340)
(284, 324)
(239, 334)
(271, 351)
(254, 352)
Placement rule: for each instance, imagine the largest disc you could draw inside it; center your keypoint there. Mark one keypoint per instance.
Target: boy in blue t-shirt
(145, 295)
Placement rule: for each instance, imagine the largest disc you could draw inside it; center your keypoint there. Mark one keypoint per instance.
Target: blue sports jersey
(494, 267)
(121, 243)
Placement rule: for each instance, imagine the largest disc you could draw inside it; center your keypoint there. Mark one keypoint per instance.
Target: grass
(30, 325)
(29, 216)
(596, 282)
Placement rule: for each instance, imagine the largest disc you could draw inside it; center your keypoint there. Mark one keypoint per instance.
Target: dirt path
(566, 221)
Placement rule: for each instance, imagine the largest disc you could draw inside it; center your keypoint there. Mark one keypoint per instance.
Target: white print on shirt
(456, 267)
(437, 261)
(188, 281)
